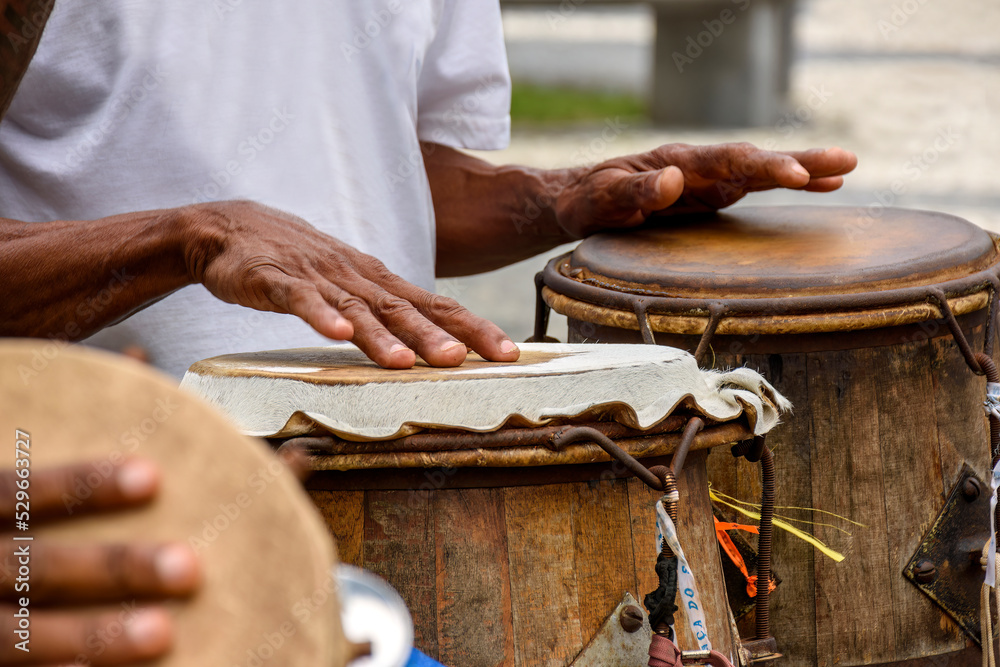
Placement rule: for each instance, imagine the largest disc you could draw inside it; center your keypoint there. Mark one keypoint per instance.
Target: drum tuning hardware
(616, 642)
(945, 566)
(756, 450)
(648, 476)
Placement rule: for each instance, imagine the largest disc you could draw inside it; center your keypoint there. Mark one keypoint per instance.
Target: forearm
(490, 216)
(69, 279)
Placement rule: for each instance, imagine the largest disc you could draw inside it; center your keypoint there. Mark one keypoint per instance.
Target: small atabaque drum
(511, 542)
(861, 323)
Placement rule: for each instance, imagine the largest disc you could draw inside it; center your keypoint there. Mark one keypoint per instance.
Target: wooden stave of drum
(799, 345)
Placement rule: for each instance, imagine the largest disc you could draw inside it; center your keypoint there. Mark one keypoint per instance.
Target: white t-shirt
(314, 107)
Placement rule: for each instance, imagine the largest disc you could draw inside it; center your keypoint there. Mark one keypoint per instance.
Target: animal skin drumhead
(265, 554)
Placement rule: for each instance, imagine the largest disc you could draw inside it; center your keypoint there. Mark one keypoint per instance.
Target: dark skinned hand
(269, 260)
(128, 578)
(677, 179)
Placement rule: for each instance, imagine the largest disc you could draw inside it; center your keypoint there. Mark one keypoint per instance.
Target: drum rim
(632, 260)
(765, 315)
(345, 456)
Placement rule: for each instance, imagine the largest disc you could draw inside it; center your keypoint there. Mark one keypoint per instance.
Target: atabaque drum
(512, 540)
(869, 321)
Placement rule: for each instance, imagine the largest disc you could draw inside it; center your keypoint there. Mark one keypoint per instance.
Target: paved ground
(884, 78)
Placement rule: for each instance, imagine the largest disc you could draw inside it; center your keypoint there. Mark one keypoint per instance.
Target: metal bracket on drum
(623, 640)
(946, 566)
(542, 311)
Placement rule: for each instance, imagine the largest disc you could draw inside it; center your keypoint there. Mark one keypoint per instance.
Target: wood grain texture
(344, 515)
(399, 546)
(641, 502)
(544, 591)
(696, 531)
(854, 604)
(604, 561)
(474, 622)
(912, 410)
(914, 495)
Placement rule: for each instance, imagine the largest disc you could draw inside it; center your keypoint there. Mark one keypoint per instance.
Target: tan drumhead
(265, 553)
(786, 251)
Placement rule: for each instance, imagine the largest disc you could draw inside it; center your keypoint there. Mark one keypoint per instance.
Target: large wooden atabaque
(886, 410)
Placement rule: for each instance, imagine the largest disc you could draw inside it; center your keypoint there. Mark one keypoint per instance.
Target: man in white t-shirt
(343, 118)
(185, 175)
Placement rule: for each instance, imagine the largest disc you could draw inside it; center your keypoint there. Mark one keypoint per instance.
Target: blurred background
(911, 86)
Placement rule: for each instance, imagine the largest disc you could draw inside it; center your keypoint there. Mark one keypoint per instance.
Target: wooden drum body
(509, 567)
(848, 318)
(509, 545)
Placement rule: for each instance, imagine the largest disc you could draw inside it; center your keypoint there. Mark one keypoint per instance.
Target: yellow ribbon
(836, 556)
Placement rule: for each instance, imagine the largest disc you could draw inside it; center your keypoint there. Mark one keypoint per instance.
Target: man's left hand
(677, 178)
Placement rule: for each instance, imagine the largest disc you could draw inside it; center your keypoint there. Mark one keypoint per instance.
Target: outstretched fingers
(825, 162)
(439, 329)
(304, 299)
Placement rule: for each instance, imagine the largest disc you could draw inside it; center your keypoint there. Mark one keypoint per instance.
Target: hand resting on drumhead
(676, 179)
(489, 216)
(70, 279)
(125, 578)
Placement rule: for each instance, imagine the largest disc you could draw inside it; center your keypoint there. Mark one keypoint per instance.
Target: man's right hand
(265, 259)
(69, 279)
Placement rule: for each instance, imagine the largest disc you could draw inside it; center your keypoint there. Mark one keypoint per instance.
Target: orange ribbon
(734, 554)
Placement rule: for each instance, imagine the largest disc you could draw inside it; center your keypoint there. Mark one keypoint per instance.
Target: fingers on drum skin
(93, 486)
(782, 170)
(825, 184)
(127, 635)
(401, 316)
(485, 338)
(98, 572)
(370, 335)
(437, 328)
(448, 315)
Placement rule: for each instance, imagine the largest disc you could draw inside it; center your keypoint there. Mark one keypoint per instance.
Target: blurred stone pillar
(721, 63)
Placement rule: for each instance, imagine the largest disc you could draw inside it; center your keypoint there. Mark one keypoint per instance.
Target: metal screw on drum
(971, 489)
(631, 619)
(925, 572)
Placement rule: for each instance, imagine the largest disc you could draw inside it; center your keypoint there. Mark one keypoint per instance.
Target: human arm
(489, 216)
(68, 279)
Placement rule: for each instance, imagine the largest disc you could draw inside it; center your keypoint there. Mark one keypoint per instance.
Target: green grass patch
(538, 105)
